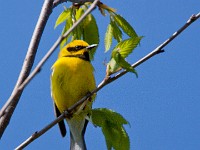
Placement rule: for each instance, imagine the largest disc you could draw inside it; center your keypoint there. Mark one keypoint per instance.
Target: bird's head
(78, 48)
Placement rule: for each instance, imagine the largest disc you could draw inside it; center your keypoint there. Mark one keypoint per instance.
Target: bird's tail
(77, 131)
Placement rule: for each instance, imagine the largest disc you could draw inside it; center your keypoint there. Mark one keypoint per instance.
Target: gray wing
(61, 124)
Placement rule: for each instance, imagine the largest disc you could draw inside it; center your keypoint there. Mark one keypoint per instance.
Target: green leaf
(100, 115)
(119, 53)
(126, 27)
(63, 17)
(118, 33)
(79, 13)
(90, 32)
(123, 63)
(112, 66)
(65, 29)
(115, 137)
(127, 46)
(108, 37)
(111, 124)
(78, 31)
(64, 41)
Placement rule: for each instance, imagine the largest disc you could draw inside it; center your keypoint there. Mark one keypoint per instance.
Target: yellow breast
(72, 78)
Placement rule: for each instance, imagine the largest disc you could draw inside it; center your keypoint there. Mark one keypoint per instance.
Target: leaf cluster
(87, 30)
(117, 26)
(111, 124)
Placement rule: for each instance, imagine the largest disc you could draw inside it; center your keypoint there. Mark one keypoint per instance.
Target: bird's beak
(91, 46)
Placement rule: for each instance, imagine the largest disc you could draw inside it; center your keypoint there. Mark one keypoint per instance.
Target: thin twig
(81, 1)
(108, 80)
(57, 2)
(9, 107)
(38, 134)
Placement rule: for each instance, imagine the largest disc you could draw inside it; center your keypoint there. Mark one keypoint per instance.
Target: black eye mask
(76, 48)
(85, 56)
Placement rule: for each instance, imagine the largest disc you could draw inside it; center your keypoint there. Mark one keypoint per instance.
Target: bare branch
(108, 80)
(38, 134)
(80, 1)
(57, 2)
(9, 107)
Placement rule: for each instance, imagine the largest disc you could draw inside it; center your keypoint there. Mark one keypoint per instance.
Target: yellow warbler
(72, 78)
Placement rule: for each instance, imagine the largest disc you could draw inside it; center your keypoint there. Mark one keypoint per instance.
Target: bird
(72, 78)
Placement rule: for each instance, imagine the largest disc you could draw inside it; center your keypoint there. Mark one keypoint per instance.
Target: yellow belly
(72, 78)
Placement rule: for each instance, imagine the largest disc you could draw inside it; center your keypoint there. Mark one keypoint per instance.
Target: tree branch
(80, 1)
(57, 2)
(38, 134)
(108, 80)
(9, 107)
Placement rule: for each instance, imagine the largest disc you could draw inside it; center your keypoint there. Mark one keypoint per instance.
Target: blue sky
(162, 105)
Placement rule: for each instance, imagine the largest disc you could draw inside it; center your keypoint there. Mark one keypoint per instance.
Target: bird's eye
(78, 47)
